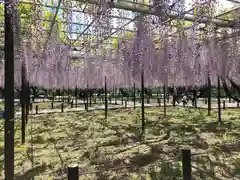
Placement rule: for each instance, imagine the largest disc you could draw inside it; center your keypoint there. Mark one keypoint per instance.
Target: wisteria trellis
(180, 62)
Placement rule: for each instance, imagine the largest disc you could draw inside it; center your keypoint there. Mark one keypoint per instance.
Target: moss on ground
(111, 148)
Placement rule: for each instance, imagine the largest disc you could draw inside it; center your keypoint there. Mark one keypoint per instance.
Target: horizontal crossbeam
(172, 15)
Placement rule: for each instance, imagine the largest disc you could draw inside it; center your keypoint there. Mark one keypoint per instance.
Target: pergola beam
(234, 1)
(69, 9)
(80, 24)
(144, 10)
(173, 15)
(224, 13)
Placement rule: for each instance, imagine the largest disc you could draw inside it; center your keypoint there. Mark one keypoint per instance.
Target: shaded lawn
(110, 149)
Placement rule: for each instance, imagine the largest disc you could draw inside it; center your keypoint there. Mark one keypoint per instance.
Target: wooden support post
(186, 164)
(72, 172)
(174, 100)
(23, 123)
(86, 106)
(87, 96)
(27, 101)
(68, 98)
(30, 106)
(142, 107)
(159, 102)
(134, 96)
(148, 100)
(209, 96)
(219, 100)
(90, 101)
(164, 100)
(9, 90)
(224, 104)
(23, 99)
(106, 99)
(62, 107)
(36, 109)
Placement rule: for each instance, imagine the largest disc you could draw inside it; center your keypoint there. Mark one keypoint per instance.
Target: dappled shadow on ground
(30, 174)
(112, 149)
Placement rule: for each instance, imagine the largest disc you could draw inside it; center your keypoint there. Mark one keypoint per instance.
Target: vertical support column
(36, 109)
(27, 100)
(142, 107)
(87, 96)
(219, 100)
(209, 96)
(106, 99)
(23, 101)
(186, 160)
(62, 107)
(164, 100)
(134, 96)
(30, 106)
(115, 95)
(8, 93)
(72, 172)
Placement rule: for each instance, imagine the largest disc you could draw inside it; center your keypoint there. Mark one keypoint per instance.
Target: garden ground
(111, 149)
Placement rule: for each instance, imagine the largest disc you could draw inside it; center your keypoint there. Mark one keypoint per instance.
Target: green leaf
(115, 43)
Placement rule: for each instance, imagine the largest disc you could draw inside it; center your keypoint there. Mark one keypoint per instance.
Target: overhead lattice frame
(85, 7)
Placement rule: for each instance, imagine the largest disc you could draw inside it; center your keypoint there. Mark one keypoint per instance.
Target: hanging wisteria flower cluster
(179, 62)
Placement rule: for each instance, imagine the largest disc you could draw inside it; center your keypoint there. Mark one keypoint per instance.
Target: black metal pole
(219, 100)
(62, 107)
(143, 108)
(106, 99)
(72, 172)
(28, 101)
(209, 95)
(115, 95)
(186, 160)
(134, 96)
(9, 93)
(164, 100)
(87, 94)
(23, 102)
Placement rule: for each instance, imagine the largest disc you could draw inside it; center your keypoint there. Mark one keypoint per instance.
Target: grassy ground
(110, 149)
